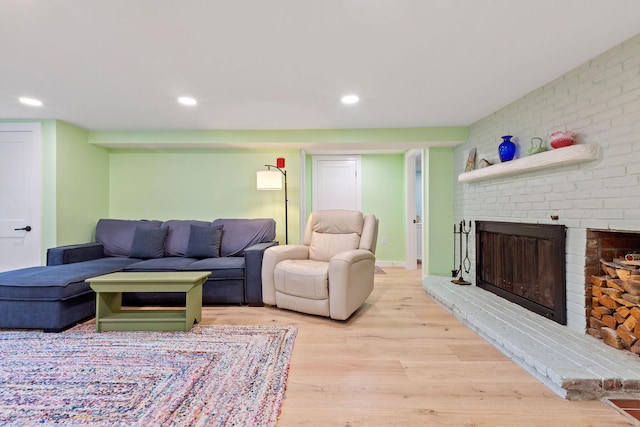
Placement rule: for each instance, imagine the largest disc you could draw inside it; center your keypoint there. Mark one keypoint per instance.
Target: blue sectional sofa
(56, 296)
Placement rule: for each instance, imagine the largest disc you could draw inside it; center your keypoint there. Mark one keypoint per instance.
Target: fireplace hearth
(525, 264)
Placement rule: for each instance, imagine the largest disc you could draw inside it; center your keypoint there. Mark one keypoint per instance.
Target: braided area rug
(210, 376)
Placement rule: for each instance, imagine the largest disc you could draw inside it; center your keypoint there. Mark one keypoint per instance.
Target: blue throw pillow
(204, 242)
(148, 243)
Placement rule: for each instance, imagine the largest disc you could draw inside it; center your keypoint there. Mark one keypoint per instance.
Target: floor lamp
(272, 180)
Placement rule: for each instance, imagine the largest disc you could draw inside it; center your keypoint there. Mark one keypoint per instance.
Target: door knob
(27, 228)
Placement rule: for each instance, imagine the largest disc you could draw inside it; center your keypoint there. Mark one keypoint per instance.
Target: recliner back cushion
(325, 245)
(116, 235)
(332, 231)
(336, 221)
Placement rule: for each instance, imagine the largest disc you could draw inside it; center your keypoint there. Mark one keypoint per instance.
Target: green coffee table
(111, 317)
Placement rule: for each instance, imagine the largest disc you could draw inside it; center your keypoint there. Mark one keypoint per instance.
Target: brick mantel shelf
(562, 156)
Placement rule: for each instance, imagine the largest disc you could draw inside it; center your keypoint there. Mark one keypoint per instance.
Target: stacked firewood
(615, 313)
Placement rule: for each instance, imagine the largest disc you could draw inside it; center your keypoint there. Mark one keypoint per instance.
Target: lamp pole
(286, 203)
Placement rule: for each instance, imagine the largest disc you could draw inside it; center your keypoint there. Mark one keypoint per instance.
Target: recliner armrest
(350, 281)
(353, 256)
(272, 257)
(74, 253)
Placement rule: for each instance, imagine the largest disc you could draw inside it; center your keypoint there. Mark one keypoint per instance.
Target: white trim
(410, 203)
(302, 217)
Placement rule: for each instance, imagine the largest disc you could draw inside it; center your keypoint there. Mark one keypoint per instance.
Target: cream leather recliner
(331, 273)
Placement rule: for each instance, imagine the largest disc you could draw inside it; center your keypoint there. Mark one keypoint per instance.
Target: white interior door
(20, 195)
(336, 183)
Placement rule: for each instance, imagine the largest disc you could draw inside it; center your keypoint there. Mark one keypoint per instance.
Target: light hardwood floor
(402, 360)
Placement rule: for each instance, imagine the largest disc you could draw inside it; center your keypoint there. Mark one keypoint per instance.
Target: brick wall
(600, 100)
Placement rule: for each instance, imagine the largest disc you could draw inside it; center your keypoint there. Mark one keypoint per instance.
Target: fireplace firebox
(525, 264)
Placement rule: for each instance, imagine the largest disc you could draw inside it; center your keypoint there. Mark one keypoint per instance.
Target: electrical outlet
(383, 241)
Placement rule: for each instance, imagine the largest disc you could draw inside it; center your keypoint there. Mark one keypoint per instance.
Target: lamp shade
(269, 180)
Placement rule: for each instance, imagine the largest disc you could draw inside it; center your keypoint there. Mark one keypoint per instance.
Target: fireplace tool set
(464, 262)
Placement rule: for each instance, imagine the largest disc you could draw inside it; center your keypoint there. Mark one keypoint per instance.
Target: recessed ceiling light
(30, 101)
(187, 100)
(350, 99)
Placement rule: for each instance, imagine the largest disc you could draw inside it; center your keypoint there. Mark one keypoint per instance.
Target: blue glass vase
(507, 149)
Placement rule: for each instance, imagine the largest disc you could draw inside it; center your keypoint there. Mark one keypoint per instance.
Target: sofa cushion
(239, 234)
(178, 237)
(116, 235)
(148, 243)
(220, 268)
(204, 242)
(161, 264)
(58, 282)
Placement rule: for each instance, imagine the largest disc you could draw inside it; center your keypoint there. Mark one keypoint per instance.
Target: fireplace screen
(524, 263)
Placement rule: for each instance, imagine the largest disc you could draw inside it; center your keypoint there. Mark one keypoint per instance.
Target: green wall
(82, 185)
(201, 184)
(383, 194)
(438, 211)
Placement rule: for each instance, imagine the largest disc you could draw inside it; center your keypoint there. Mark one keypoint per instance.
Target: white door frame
(410, 197)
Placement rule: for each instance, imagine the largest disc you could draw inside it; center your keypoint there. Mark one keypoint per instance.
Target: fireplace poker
(466, 262)
(461, 230)
(454, 271)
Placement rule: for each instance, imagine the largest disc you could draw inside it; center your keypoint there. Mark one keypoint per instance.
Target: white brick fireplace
(600, 100)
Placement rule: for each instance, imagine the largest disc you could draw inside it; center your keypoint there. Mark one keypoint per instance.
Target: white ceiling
(284, 64)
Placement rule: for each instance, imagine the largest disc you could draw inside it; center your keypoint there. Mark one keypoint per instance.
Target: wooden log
(635, 312)
(595, 323)
(611, 271)
(608, 302)
(623, 274)
(610, 337)
(628, 339)
(623, 311)
(612, 292)
(635, 348)
(630, 323)
(615, 284)
(631, 287)
(623, 302)
(598, 312)
(636, 330)
(599, 280)
(632, 298)
(596, 291)
(594, 332)
(609, 321)
(619, 319)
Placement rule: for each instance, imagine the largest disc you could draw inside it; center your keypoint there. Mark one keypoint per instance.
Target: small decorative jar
(562, 139)
(507, 149)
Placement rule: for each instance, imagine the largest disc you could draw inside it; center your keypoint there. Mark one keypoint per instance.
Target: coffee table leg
(107, 303)
(193, 309)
